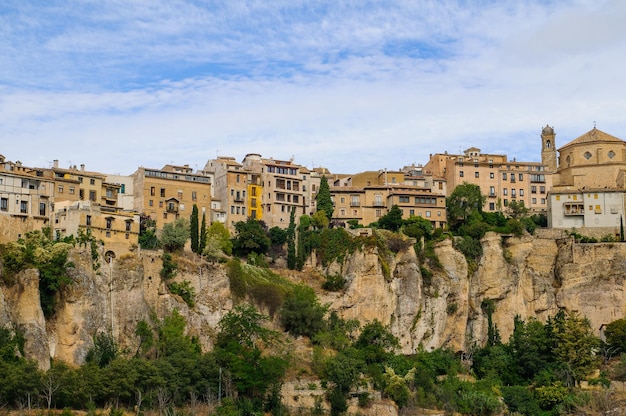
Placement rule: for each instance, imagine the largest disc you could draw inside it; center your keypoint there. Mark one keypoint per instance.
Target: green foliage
(470, 247)
(35, 250)
(615, 333)
(194, 231)
(517, 209)
(147, 233)
(172, 339)
(319, 220)
(324, 200)
(203, 235)
(175, 234)
(251, 238)
(278, 236)
(338, 333)
(418, 227)
(259, 284)
(465, 201)
(334, 245)
(521, 400)
(575, 346)
(104, 350)
(184, 290)
(334, 283)
(302, 314)
(290, 237)
(391, 221)
(169, 266)
(376, 342)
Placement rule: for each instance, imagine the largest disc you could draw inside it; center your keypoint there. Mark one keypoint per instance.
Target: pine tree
(324, 201)
(193, 228)
(202, 242)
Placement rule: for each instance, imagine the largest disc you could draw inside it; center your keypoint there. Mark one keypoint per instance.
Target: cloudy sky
(350, 85)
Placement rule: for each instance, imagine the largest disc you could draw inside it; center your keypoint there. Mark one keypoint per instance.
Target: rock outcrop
(528, 276)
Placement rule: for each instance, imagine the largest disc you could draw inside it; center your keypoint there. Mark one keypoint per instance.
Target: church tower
(548, 148)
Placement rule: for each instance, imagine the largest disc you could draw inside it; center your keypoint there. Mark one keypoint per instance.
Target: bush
(470, 247)
(185, 291)
(302, 314)
(169, 266)
(334, 283)
(521, 400)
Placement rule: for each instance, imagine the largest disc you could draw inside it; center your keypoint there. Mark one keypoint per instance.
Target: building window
(165, 215)
(461, 174)
(512, 177)
(492, 191)
(194, 195)
(152, 191)
(42, 208)
(109, 223)
(521, 177)
(476, 175)
(92, 195)
(543, 200)
(4, 204)
(534, 200)
(378, 200)
(504, 176)
(542, 189)
(92, 181)
(379, 213)
(491, 175)
(24, 207)
(342, 212)
(127, 236)
(404, 199)
(505, 191)
(492, 206)
(128, 225)
(427, 214)
(232, 209)
(533, 189)
(513, 193)
(342, 200)
(411, 212)
(506, 202)
(355, 201)
(521, 192)
(81, 194)
(60, 189)
(88, 220)
(162, 192)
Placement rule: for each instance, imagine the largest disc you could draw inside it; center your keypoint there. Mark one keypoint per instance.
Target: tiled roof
(593, 135)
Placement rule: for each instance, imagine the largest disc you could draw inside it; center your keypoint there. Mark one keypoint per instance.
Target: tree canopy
(324, 200)
(466, 200)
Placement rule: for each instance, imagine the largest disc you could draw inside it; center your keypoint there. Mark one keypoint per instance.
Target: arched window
(548, 144)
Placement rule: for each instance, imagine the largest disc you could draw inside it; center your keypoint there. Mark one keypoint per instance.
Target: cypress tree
(291, 240)
(193, 228)
(202, 242)
(324, 201)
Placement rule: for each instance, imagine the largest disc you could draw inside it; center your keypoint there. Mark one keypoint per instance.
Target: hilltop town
(579, 185)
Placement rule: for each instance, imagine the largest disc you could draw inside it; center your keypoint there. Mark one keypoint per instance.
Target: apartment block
(500, 180)
(26, 200)
(232, 188)
(170, 193)
(118, 229)
(285, 185)
(367, 196)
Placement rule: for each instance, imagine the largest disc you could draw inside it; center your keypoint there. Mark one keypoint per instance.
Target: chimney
(55, 163)
(82, 167)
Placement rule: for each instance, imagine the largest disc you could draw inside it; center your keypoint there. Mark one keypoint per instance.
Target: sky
(351, 85)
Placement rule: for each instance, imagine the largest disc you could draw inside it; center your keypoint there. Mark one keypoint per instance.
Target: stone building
(169, 193)
(589, 186)
(26, 200)
(501, 180)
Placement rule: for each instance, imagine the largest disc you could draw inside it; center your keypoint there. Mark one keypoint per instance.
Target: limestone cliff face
(528, 276)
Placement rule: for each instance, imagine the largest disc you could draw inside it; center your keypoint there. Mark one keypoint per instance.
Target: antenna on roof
(594, 124)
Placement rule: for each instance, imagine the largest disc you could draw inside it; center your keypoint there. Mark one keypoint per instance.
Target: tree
(147, 233)
(517, 209)
(174, 235)
(193, 229)
(376, 342)
(392, 220)
(218, 233)
(575, 346)
(202, 242)
(291, 240)
(302, 314)
(615, 333)
(319, 220)
(465, 200)
(251, 238)
(324, 201)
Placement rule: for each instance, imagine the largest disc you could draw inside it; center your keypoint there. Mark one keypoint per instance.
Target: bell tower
(548, 148)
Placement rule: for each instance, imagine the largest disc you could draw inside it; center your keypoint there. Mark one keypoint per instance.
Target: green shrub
(334, 283)
(169, 266)
(185, 291)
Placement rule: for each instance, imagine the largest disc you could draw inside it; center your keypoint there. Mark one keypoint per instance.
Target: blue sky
(349, 85)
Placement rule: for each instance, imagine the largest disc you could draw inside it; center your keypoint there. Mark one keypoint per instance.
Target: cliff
(528, 276)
